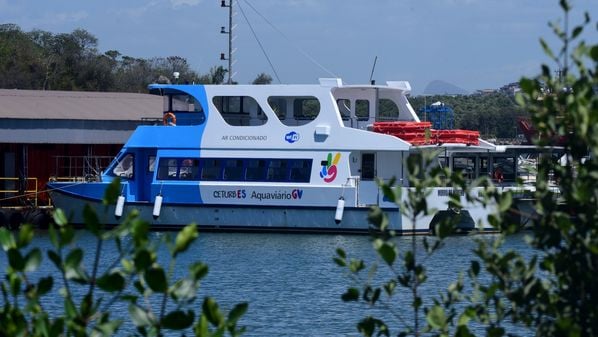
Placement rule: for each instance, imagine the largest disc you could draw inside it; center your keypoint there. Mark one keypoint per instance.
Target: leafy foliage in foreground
(157, 303)
(551, 293)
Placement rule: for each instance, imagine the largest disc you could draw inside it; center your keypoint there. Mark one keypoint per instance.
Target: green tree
(554, 291)
(157, 304)
(18, 59)
(262, 78)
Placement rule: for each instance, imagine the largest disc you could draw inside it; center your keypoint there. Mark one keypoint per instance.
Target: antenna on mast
(230, 39)
(372, 82)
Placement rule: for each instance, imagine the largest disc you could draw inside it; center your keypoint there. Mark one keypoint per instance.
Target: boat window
(178, 169)
(344, 107)
(187, 109)
(210, 169)
(240, 110)
(279, 106)
(277, 170)
(300, 170)
(189, 169)
(151, 163)
(167, 169)
(256, 170)
(124, 168)
(368, 166)
(484, 166)
(387, 110)
(233, 170)
(466, 166)
(362, 109)
(306, 108)
(506, 165)
(184, 103)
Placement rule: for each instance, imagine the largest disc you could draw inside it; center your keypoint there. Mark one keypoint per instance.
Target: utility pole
(230, 39)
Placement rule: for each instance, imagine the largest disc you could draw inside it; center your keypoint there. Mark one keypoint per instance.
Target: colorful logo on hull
(329, 167)
(291, 137)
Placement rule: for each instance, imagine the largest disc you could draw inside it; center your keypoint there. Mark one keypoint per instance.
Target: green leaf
(15, 283)
(6, 239)
(184, 238)
(547, 49)
(475, 267)
(60, 218)
(352, 294)
(178, 320)
(111, 282)
(91, 221)
(139, 232)
(15, 259)
(378, 218)
(184, 290)
(386, 250)
(238, 311)
(436, 317)
(356, 266)
(201, 328)
(69, 308)
(44, 285)
(340, 261)
(143, 260)
(55, 258)
(25, 235)
(106, 329)
(466, 316)
(57, 328)
(112, 192)
(506, 200)
(494, 331)
(390, 286)
(156, 279)
(141, 317)
(198, 270)
(73, 259)
(212, 312)
(33, 260)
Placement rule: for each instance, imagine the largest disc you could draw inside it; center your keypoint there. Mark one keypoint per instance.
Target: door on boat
(146, 166)
(368, 189)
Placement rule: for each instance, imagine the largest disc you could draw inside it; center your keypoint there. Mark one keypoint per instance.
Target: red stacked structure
(421, 133)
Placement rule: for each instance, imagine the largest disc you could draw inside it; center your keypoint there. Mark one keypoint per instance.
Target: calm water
(290, 281)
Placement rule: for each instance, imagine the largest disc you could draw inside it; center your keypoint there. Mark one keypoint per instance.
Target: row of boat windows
(291, 111)
(227, 169)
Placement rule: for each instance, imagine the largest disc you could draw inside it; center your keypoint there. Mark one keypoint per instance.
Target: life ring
(169, 119)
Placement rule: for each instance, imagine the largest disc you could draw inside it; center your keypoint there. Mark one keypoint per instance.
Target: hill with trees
(43, 60)
(494, 115)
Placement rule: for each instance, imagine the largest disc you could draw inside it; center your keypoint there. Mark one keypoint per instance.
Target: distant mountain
(439, 87)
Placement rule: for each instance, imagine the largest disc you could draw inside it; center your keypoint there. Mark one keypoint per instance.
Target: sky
(473, 44)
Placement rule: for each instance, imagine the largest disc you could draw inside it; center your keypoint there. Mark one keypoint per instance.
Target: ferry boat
(294, 158)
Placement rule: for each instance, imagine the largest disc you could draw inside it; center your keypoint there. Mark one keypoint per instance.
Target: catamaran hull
(231, 217)
(252, 218)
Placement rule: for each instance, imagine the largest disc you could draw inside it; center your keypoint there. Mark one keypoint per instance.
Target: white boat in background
(282, 158)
